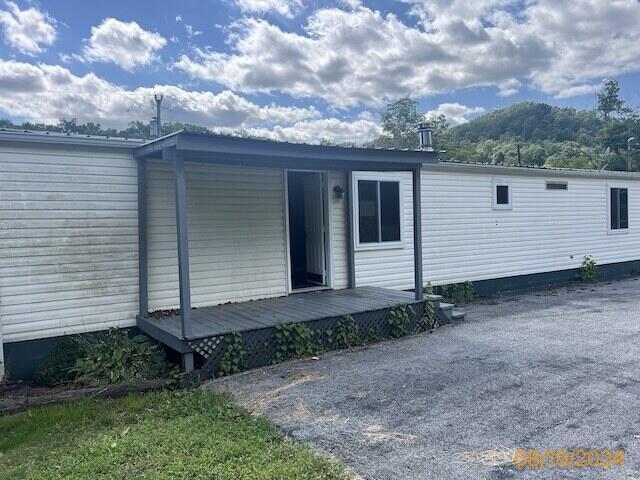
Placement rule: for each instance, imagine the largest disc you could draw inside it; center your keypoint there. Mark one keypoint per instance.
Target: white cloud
(362, 56)
(46, 93)
(29, 31)
(286, 8)
(356, 132)
(191, 31)
(575, 90)
(345, 57)
(456, 113)
(124, 43)
(509, 87)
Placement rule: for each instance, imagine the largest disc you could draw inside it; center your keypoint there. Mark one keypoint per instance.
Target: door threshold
(310, 289)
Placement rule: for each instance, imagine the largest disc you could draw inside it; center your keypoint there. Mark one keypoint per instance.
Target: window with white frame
(619, 208)
(501, 195)
(378, 211)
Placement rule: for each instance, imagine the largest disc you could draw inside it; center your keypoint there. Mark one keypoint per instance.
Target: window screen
(619, 208)
(379, 211)
(502, 194)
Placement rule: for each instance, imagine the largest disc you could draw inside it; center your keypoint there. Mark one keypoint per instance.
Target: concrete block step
(446, 306)
(432, 297)
(458, 314)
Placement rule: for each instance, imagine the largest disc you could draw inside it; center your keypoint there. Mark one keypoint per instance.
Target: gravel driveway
(546, 370)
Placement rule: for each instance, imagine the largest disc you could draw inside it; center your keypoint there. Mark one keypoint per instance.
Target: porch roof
(225, 149)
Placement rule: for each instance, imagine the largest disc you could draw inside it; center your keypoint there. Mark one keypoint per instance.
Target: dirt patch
(19, 396)
(494, 457)
(268, 397)
(376, 434)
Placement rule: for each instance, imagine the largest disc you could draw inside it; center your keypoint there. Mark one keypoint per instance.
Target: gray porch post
(350, 232)
(143, 293)
(417, 235)
(183, 251)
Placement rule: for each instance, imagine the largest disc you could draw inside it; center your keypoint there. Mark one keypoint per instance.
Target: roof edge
(531, 171)
(73, 139)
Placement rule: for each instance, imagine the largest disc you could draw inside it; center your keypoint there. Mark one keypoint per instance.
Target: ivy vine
(428, 319)
(398, 320)
(234, 357)
(293, 340)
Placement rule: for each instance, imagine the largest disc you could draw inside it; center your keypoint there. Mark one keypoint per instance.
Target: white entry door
(314, 225)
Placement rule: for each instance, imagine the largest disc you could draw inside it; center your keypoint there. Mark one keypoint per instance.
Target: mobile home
(102, 232)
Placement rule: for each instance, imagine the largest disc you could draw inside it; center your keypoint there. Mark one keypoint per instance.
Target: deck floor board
(301, 307)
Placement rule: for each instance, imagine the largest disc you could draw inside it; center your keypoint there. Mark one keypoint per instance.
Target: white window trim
(383, 177)
(494, 194)
(618, 231)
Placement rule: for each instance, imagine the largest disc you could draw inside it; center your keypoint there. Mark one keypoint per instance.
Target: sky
(302, 70)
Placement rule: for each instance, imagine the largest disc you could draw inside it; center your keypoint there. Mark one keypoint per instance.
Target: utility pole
(630, 140)
(158, 99)
(519, 159)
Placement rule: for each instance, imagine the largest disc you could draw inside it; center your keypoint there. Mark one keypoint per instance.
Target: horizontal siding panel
(338, 219)
(236, 234)
(464, 238)
(72, 302)
(68, 250)
(65, 178)
(398, 262)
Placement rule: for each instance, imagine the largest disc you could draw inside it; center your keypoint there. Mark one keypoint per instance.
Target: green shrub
(58, 362)
(428, 320)
(116, 357)
(372, 335)
(589, 269)
(458, 293)
(399, 319)
(234, 358)
(346, 332)
(293, 340)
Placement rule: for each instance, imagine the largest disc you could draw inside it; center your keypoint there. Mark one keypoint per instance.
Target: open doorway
(307, 229)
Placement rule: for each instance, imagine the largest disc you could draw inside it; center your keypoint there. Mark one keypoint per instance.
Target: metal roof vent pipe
(425, 130)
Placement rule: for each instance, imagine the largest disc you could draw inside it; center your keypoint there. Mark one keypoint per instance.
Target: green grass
(189, 435)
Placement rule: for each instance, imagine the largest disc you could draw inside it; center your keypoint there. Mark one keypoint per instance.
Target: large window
(378, 212)
(619, 204)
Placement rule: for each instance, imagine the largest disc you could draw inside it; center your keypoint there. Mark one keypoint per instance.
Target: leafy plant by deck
(293, 340)
(116, 357)
(188, 434)
(458, 293)
(57, 364)
(234, 358)
(398, 320)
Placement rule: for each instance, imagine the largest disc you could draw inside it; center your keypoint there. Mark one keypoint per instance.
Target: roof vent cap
(425, 130)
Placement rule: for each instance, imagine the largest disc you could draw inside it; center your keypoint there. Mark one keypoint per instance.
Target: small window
(501, 195)
(619, 204)
(557, 186)
(378, 212)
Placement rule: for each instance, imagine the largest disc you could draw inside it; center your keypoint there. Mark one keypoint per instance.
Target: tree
(609, 100)
(399, 121)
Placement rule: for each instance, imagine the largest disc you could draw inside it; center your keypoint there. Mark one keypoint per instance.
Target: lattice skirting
(260, 345)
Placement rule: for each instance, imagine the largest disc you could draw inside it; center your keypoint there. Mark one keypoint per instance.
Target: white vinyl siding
(69, 244)
(390, 267)
(546, 230)
(338, 230)
(236, 234)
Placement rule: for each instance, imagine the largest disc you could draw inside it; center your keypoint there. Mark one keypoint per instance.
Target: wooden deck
(267, 313)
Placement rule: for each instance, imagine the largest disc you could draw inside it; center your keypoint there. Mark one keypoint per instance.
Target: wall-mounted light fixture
(338, 192)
